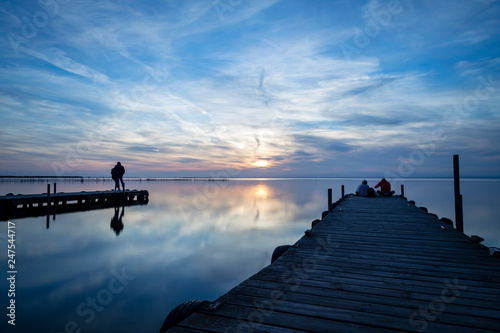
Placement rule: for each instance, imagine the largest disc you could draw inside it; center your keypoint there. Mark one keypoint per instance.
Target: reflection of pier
(17, 206)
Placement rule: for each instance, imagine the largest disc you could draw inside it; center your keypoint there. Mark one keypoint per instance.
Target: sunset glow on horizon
(260, 164)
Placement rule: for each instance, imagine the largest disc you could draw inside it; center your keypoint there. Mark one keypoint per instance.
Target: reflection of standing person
(116, 222)
(385, 188)
(117, 174)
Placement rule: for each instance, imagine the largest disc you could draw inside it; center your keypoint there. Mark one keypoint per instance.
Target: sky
(240, 88)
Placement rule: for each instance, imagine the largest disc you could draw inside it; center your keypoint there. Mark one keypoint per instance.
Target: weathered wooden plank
(261, 319)
(226, 321)
(417, 267)
(366, 313)
(332, 285)
(360, 316)
(338, 296)
(385, 277)
(354, 279)
(180, 329)
(402, 262)
(369, 253)
(405, 250)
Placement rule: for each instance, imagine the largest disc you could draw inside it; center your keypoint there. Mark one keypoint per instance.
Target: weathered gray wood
(16, 206)
(338, 295)
(376, 265)
(258, 318)
(362, 313)
(179, 329)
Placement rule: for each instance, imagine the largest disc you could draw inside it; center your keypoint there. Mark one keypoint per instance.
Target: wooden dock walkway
(372, 265)
(17, 206)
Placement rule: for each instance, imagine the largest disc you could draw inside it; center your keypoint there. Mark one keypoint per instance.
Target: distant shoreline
(47, 177)
(107, 178)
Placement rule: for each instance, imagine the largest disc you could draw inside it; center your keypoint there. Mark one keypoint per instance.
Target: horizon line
(209, 177)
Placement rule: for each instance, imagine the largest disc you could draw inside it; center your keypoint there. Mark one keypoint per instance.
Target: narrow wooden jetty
(371, 265)
(17, 206)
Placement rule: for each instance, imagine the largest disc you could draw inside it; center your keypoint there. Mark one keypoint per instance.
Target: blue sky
(244, 88)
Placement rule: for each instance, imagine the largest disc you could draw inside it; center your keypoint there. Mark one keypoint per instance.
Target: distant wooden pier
(371, 265)
(17, 206)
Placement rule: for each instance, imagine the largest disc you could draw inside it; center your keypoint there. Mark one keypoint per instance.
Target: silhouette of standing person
(117, 174)
(116, 222)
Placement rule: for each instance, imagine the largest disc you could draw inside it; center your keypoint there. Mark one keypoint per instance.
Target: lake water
(193, 240)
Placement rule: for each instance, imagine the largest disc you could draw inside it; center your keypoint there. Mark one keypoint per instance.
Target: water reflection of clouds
(232, 210)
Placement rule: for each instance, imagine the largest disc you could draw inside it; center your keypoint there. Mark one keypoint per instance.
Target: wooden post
(55, 201)
(343, 192)
(459, 213)
(48, 197)
(329, 199)
(48, 205)
(402, 190)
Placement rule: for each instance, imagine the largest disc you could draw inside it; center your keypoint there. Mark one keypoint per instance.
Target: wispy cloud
(57, 58)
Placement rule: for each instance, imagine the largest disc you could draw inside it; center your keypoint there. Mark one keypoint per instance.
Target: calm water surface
(193, 240)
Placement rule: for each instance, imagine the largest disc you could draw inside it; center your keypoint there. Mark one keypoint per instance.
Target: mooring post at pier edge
(48, 206)
(329, 199)
(459, 213)
(343, 191)
(48, 197)
(402, 190)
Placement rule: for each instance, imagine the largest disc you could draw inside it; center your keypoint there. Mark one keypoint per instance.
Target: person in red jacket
(385, 188)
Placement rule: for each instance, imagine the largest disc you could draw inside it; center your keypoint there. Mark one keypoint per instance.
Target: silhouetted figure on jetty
(116, 222)
(385, 188)
(362, 189)
(117, 174)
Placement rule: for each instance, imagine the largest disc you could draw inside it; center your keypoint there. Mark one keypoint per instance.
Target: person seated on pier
(117, 174)
(385, 188)
(362, 189)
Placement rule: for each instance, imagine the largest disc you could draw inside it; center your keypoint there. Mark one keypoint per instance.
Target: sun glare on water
(260, 164)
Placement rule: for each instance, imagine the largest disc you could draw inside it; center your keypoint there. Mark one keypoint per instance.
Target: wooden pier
(17, 206)
(371, 265)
